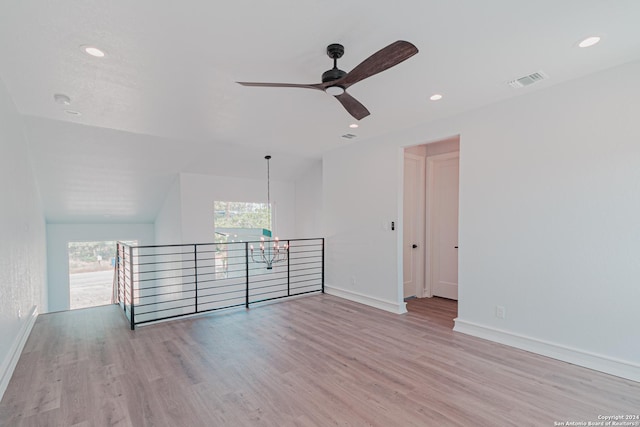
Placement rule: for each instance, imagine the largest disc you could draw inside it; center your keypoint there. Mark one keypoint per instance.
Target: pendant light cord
(269, 191)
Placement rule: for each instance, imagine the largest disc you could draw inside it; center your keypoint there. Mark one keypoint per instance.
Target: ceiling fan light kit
(335, 90)
(335, 82)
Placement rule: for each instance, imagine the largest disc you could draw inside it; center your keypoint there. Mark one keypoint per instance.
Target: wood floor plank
(313, 361)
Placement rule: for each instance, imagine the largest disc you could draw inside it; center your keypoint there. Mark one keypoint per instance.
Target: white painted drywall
(22, 239)
(198, 192)
(168, 223)
(58, 238)
(308, 197)
(549, 208)
(360, 202)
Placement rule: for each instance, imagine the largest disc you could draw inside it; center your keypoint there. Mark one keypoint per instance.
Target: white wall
(186, 215)
(308, 198)
(549, 208)
(198, 192)
(360, 202)
(58, 238)
(168, 223)
(22, 240)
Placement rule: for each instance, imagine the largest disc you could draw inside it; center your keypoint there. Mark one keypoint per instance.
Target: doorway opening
(430, 214)
(91, 272)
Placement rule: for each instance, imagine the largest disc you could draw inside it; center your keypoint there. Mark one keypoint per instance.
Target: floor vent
(349, 136)
(528, 80)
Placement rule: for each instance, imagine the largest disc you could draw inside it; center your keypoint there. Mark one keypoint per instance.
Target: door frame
(419, 222)
(429, 221)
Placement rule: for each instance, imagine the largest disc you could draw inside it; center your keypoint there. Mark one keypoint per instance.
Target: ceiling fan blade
(353, 106)
(382, 60)
(318, 86)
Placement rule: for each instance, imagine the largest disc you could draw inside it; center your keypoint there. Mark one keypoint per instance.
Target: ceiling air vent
(349, 136)
(528, 80)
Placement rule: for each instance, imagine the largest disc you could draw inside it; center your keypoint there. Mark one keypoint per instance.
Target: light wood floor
(314, 361)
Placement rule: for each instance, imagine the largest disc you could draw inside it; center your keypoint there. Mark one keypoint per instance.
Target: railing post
(131, 267)
(124, 277)
(246, 260)
(195, 269)
(323, 265)
(118, 272)
(288, 268)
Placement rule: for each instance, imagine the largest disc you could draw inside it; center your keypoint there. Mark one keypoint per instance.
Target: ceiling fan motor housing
(332, 74)
(334, 51)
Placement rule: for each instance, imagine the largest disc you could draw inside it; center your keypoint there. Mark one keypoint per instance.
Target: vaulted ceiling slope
(164, 99)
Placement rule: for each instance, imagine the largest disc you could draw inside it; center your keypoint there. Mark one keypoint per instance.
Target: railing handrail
(193, 284)
(211, 243)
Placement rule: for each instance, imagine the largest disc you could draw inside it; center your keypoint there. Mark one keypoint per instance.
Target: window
(241, 221)
(237, 222)
(91, 266)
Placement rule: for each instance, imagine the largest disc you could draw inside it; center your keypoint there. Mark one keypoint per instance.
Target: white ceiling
(164, 101)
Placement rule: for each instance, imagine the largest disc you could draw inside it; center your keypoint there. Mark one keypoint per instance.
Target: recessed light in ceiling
(435, 97)
(93, 51)
(589, 41)
(73, 112)
(353, 125)
(62, 99)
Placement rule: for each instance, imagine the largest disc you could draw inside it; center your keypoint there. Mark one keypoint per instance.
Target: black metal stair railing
(166, 281)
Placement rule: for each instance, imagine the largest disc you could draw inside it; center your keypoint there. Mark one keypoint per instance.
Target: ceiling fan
(335, 81)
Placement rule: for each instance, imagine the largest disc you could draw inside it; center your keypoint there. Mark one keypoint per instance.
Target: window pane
(241, 221)
(237, 222)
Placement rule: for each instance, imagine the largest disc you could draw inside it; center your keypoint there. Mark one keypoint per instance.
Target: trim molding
(367, 300)
(10, 362)
(598, 362)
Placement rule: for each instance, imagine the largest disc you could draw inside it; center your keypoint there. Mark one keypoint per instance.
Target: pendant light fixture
(270, 252)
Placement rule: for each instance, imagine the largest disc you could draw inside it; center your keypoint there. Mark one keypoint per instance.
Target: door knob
(414, 246)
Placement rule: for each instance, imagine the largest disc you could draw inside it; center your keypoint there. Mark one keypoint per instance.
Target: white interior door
(413, 228)
(443, 224)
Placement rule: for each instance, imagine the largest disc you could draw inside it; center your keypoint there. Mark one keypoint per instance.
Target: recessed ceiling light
(589, 41)
(435, 97)
(73, 112)
(353, 125)
(62, 99)
(93, 51)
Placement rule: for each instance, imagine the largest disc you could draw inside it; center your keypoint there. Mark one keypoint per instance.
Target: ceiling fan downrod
(334, 51)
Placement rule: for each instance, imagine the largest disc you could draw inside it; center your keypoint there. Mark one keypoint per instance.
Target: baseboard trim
(598, 362)
(393, 307)
(10, 362)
